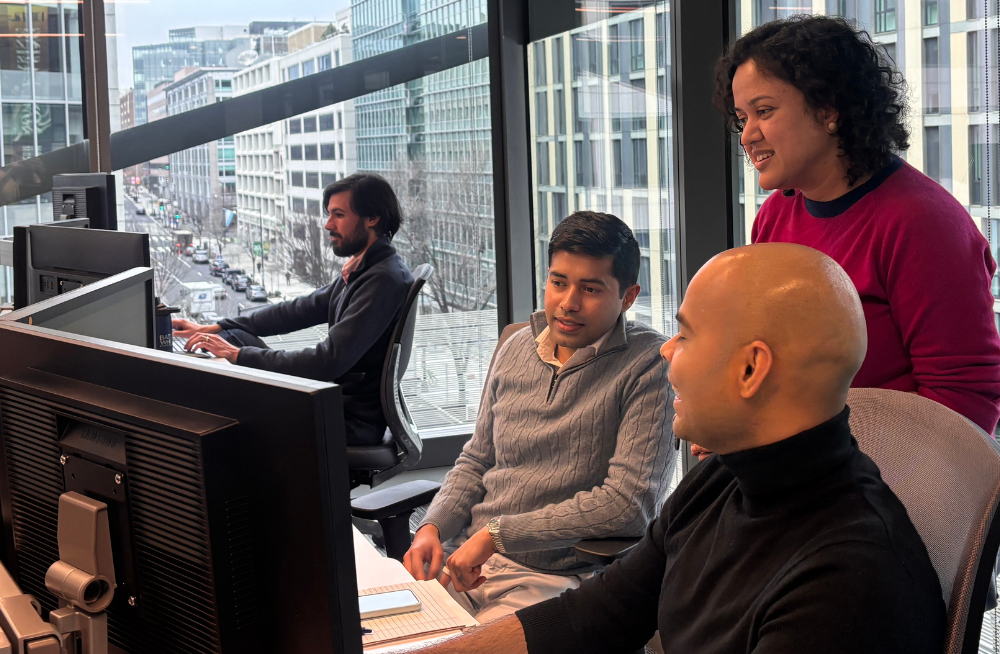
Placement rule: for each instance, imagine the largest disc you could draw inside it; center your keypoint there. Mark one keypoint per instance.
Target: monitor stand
(83, 579)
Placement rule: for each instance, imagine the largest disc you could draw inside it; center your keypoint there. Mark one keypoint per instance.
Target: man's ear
(371, 222)
(631, 293)
(756, 366)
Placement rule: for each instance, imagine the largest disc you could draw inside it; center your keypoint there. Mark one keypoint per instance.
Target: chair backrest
(401, 426)
(946, 472)
(507, 332)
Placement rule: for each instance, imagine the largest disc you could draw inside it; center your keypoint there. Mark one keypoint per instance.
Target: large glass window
(612, 156)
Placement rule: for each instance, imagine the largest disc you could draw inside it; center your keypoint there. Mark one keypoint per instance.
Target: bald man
(786, 540)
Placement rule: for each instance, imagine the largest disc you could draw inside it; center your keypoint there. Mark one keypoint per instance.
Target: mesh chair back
(397, 416)
(946, 472)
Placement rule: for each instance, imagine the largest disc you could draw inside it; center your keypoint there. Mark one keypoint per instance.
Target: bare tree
(305, 249)
(449, 224)
(166, 268)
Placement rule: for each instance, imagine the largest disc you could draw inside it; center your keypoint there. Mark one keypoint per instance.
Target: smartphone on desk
(383, 604)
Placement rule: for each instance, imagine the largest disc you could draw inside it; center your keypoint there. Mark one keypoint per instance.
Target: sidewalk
(275, 279)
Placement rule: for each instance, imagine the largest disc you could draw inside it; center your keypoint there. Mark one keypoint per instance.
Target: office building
(189, 47)
(203, 178)
(601, 141)
(319, 149)
(432, 136)
(41, 88)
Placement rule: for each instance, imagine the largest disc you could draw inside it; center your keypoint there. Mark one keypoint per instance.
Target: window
(298, 205)
(336, 57)
(932, 91)
(559, 99)
(311, 152)
(308, 67)
(930, 12)
(558, 207)
(295, 152)
(639, 167)
(932, 153)
(324, 62)
(340, 150)
(296, 179)
(340, 120)
(984, 190)
(638, 108)
(617, 147)
(327, 179)
(557, 60)
(540, 64)
(561, 163)
(542, 163)
(325, 122)
(637, 45)
(293, 72)
(327, 151)
(975, 63)
(541, 113)
(313, 208)
(640, 220)
(579, 163)
(614, 48)
(885, 16)
(597, 178)
(295, 126)
(312, 180)
(309, 124)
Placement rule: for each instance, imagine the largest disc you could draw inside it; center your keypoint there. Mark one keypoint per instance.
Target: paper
(438, 612)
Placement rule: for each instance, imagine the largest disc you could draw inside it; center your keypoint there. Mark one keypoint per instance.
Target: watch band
(493, 526)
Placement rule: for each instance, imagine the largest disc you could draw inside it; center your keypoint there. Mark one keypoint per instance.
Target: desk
(375, 570)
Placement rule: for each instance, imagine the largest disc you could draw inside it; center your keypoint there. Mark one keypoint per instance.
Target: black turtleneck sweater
(797, 546)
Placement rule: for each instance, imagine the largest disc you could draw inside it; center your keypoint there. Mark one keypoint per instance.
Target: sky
(143, 22)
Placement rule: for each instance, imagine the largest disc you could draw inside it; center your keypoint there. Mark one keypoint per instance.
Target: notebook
(438, 613)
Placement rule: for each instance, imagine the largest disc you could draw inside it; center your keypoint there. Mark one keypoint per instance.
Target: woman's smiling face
(789, 143)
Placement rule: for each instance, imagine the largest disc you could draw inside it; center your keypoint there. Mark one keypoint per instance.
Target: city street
(161, 244)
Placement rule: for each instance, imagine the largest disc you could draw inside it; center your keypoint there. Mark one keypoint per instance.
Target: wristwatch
(493, 526)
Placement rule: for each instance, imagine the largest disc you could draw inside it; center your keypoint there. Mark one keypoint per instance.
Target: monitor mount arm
(83, 579)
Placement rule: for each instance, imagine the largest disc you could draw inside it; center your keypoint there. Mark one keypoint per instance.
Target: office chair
(946, 472)
(401, 446)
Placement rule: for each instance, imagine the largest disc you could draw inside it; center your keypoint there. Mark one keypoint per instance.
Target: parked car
(209, 318)
(217, 268)
(200, 256)
(240, 282)
(220, 292)
(227, 277)
(139, 211)
(256, 293)
(189, 251)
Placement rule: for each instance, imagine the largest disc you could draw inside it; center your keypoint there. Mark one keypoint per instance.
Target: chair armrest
(604, 551)
(392, 501)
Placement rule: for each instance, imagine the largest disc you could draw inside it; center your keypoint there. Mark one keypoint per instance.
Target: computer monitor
(50, 259)
(86, 195)
(227, 489)
(120, 308)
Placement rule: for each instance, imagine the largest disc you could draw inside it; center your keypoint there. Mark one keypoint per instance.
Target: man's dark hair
(834, 65)
(599, 235)
(371, 197)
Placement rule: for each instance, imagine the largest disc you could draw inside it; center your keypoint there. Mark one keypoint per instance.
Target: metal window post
(95, 67)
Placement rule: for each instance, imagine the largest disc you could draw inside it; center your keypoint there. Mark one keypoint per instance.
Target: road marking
(186, 263)
(200, 275)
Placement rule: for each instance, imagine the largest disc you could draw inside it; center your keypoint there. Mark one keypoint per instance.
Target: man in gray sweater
(573, 438)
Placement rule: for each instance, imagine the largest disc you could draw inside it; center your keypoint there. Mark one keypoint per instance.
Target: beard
(351, 244)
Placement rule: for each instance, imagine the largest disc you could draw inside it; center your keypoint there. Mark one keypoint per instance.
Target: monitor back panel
(236, 494)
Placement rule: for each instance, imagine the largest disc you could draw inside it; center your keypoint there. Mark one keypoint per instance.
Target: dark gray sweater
(361, 315)
(582, 452)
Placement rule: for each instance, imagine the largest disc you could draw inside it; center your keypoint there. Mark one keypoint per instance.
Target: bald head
(771, 335)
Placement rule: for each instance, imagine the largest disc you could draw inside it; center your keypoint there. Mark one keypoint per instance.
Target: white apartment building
(320, 146)
(260, 193)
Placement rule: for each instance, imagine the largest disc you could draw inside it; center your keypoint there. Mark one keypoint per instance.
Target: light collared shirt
(547, 346)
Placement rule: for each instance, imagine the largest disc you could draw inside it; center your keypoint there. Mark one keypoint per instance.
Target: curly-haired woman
(821, 110)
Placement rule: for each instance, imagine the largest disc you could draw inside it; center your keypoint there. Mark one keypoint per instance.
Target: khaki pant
(510, 586)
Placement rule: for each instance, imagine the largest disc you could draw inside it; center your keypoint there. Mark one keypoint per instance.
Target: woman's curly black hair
(833, 65)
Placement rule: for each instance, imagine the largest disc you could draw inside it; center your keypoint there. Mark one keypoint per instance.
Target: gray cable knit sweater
(582, 452)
